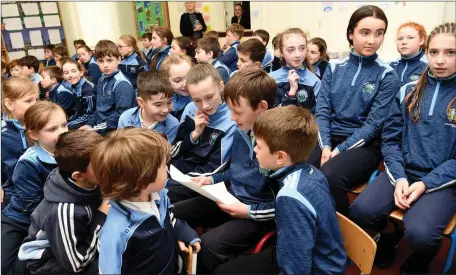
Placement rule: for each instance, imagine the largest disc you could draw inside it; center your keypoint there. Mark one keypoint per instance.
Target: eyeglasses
(120, 46)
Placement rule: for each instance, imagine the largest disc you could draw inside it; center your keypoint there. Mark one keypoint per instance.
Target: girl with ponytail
(132, 63)
(419, 151)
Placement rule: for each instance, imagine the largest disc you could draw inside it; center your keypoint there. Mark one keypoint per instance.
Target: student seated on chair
(208, 50)
(140, 232)
(418, 147)
(250, 55)
(238, 226)
(234, 34)
(309, 240)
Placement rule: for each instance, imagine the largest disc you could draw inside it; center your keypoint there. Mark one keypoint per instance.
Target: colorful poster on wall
(148, 15)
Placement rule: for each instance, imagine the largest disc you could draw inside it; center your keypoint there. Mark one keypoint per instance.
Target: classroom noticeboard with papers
(30, 26)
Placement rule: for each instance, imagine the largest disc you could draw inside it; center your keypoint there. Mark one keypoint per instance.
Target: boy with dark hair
(237, 226)
(51, 82)
(63, 235)
(263, 36)
(148, 51)
(234, 34)
(207, 50)
(250, 54)
(155, 102)
(48, 55)
(115, 94)
(140, 233)
(205, 135)
(30, 65)
(276, 63)
(308, 234)
(77, 43)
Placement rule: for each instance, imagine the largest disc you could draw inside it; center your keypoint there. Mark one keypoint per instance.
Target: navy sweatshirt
(148, 55)
(266, 64)
(354, 100)
(29, 177)
(212, 151)
(64, 227)
(247, 183)
(230, 57)
(131, 66)
(62, 96)
(425, 150)
(133, 242)
(14, 144)
(179, 104)
(93, 70)
(308, 88)
(222, 70)
(168, 126)
(115, 95)
(320, 68)
(308, 234)
(409, 69)
(161, 55)
(84, 99)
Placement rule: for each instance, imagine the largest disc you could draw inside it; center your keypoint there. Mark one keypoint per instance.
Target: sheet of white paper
(35, 38)
(33, 22)
(12, 24)
(215, 192)
(38, 53)
(51, 20)
(54, 36)
(49, 7)
(17, 41)
(9, 10)
(30, 8)
(16, 55)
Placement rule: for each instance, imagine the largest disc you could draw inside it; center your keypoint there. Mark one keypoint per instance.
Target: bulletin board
(150, 14)
(30, 26)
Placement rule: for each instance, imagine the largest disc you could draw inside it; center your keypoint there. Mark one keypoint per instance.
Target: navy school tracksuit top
(14, 144)
(162, 55)
(308, 88)
(309, 240)
(179, 104)
(61, 95)
(64, 227)
(247, 183)
(29, 177)
(354, 100)
(222, 70)
(212, 151)
(138, 243)
(131, 66)
(84, 99)
(409, 69)
(425, 150)
(93, 70)
(320, 68)
(115, 95)
(230, 57)
(169, 126)
(148, 55)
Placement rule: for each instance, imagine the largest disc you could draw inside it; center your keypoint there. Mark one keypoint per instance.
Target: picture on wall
(150, 14)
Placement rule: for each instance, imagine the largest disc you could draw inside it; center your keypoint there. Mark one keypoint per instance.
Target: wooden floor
(402, 253)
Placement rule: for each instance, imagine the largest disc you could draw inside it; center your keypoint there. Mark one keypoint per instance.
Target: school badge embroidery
(368, 88)
(213, 138)
(414, 77)
(302, 95)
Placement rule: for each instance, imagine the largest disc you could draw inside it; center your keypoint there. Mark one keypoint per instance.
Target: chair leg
(451, 250)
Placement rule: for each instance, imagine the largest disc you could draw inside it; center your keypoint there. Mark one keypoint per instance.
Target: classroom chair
(449, 232)
(358, 189)
(189, 261)
(359, 246)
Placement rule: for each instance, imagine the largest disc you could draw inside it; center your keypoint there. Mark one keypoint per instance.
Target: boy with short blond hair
(306, 219)
(207, 50)
(115, 94)
(155, 102)
(51, 82)
(234, 34)
(238, 226)
(140, 232)
(63, 235)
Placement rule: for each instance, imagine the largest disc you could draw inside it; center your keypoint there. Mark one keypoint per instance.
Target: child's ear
(77, 176)
(140, 102)
(282, 158)
(8, 104)
(33, 135)
(211, 53)
(54, 80)
(257, 64)
(262, 106)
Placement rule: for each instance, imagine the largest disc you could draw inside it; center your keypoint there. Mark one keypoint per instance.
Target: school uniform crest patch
(368, 88)
(414, 77)
(213, 138)
(302, 95)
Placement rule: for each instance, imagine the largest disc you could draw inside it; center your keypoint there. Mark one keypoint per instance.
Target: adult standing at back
(192, 23)
(240, 18)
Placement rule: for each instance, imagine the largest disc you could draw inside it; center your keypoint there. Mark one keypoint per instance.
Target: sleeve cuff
(212, 180)
(287, 94)
(399, 180)
(195, 241)
(191, 140)
(326, 146)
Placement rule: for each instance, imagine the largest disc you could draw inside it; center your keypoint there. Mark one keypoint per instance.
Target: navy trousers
(424, 222)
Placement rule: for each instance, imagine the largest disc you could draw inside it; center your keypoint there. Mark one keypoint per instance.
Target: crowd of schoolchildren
(85, 184)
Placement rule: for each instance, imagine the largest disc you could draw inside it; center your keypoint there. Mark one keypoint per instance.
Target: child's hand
(202, 180)
(325, 155)
(334, 153)
(104, 207)
(201, 121)
(400, 198)
(224, 46)
(415, 191)
(236, 210)
(293, 78)
(196, 247)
